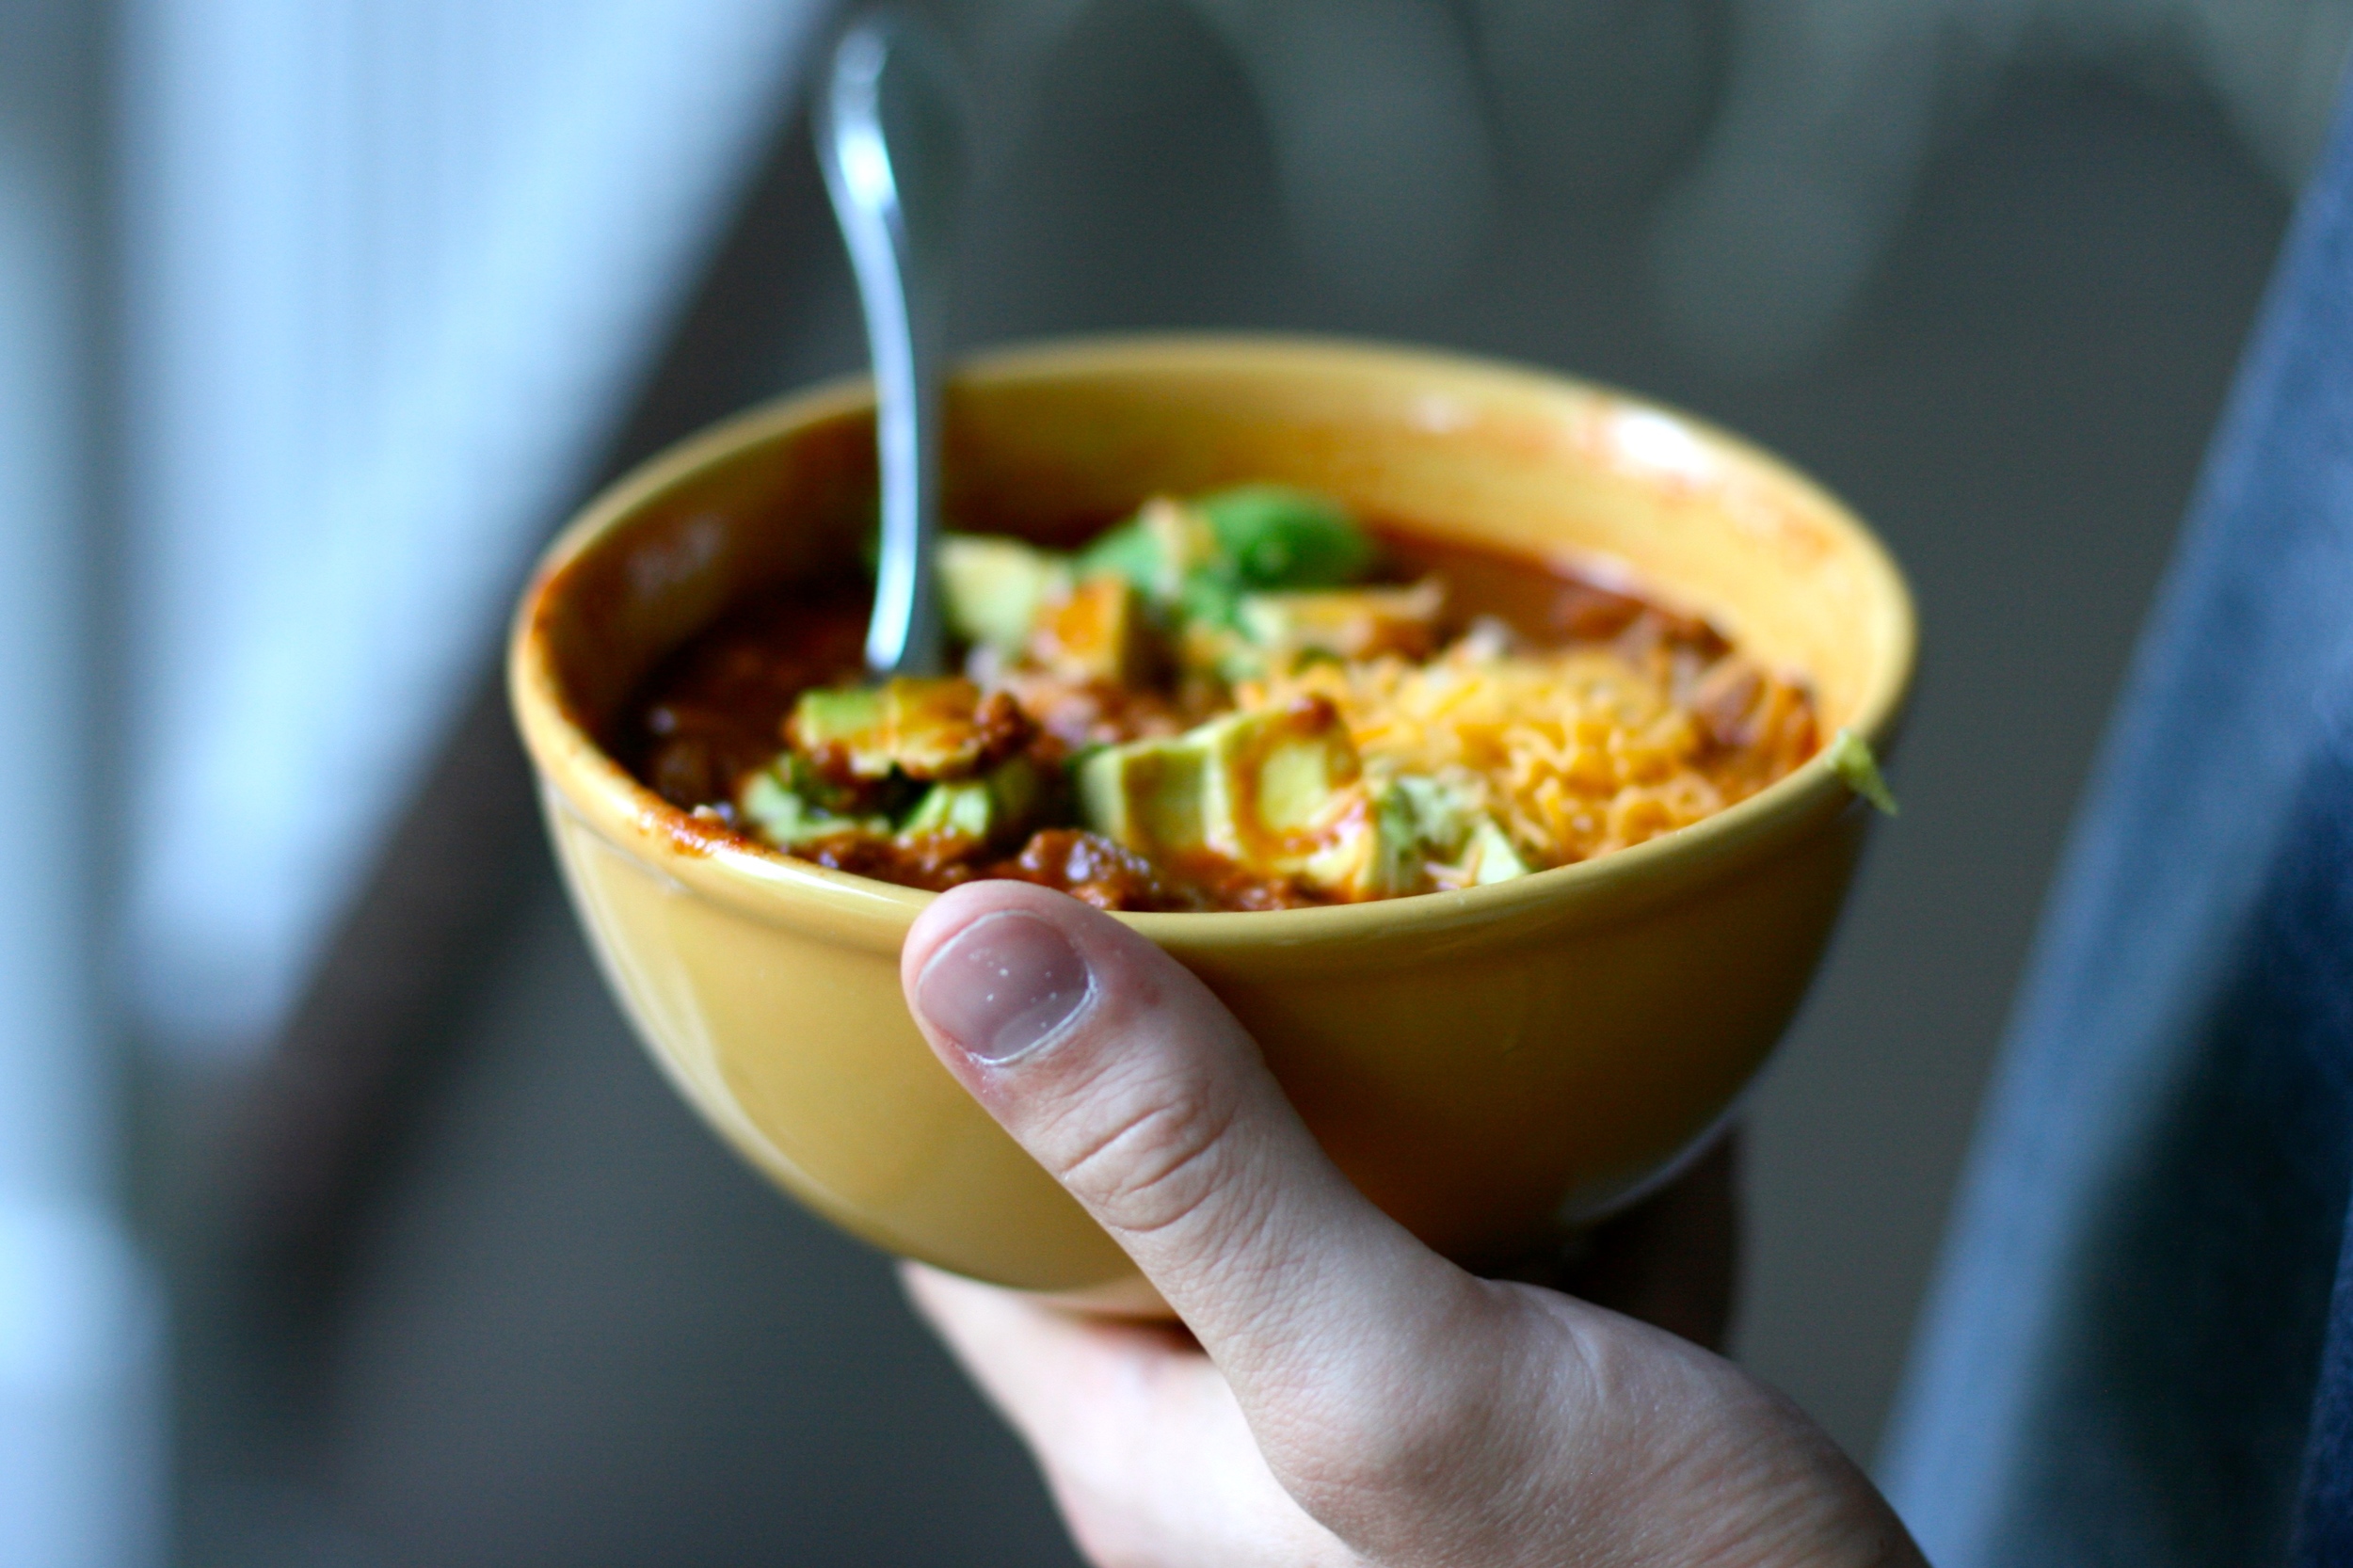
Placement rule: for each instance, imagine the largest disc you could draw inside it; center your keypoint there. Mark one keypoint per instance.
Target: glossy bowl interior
(1492, 1066)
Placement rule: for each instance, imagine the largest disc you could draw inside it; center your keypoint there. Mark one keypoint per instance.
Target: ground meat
(1095, 871)
(932, 861)
(1081, 713)
(715, 710)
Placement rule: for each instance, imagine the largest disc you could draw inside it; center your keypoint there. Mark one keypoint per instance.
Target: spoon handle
(889, 139)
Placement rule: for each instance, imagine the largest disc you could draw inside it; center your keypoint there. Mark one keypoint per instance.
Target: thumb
(1114, 1066)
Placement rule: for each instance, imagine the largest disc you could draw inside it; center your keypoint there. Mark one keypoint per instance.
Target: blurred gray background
(455, 1280)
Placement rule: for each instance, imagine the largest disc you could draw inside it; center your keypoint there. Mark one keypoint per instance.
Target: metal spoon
(889, 128)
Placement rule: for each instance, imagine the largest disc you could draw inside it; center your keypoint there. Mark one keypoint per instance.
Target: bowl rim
(577, 774)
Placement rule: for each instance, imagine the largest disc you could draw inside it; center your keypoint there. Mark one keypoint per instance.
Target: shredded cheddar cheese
(1575, 752)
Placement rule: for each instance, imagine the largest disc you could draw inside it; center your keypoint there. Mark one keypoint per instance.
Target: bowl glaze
(1493, 1066)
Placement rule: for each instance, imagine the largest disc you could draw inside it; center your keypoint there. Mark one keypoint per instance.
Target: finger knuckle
(1157, 1161)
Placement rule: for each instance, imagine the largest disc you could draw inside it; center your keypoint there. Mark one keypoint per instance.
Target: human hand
(1345, 1394)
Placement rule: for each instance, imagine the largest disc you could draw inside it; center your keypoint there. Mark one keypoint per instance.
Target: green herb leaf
(1851, 760)
(1128, 551)
(1279, 537)
(1210, 598)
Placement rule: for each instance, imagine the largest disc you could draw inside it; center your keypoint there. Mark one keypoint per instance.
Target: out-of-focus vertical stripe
(80, 1381)
(393, 269)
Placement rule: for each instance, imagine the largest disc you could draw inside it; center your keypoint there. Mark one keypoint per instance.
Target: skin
(1343, 1394)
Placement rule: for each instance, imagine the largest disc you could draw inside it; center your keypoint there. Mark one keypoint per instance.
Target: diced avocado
(1279, 793)
(1128, 550)
(848, 719)
(788, 819)
(932, 726)
(1265, 789)
(992, 588)
(1165, 543)
(998, 807)
(1205, 649)
(1284, 775)
(1148, 794)
(966, 809)
(1209, 598)
(1279, 537)
(1348, 623)
(924, 728)
(1492, 857)
(1094, 632)
(1018, 789)
(1408, 815)
(1423, 822)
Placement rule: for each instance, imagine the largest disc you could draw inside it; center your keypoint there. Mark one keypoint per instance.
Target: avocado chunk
(965, 809)
(1158, 550)
(925, 728)
(1093, 632)
(1267, 789)
(993, 588)
(1149, 795)
(1423, 826)
(1280, 794)
(846, 719)
(1347, 623)
(1408, 814)
(998, 807)
(1492, 856)
(786, 818)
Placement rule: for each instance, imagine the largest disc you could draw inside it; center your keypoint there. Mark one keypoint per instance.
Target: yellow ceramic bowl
(1491, 1066)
